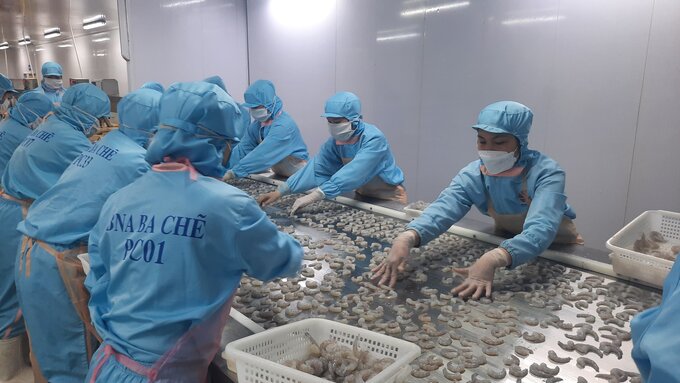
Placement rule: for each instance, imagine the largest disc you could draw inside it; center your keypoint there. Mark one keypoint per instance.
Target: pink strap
(9, 329)
(130, 364)
(182, 164)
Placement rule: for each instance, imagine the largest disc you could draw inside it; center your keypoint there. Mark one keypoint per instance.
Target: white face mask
(497, 161)
(341, 131)
(54, 83)
(260, 114)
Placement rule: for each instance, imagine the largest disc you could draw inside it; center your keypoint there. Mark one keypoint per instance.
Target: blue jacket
(370, 156)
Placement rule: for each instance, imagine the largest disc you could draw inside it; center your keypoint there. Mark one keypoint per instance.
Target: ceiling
(32, 17)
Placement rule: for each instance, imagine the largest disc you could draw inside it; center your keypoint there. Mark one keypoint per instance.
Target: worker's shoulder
(215, 190)
(285, 120)
(542, 164)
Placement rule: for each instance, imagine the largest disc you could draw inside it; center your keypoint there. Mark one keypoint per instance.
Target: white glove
(229, 176)
(480, 275)
(316, 195)
(395, 263)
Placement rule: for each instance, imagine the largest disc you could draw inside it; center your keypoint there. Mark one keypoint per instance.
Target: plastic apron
(13, 247)
(50, 281)
(187, 361)
(13, 211)
(514, 223)
(287, 166)
(377, 188)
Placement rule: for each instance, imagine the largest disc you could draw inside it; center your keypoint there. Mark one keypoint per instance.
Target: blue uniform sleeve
(543, 219)
(451, 205)
(317, 171)
(367, 163)
(247, 144)
(266, 252)
(655, 334)
(274, 148)
(97, 267)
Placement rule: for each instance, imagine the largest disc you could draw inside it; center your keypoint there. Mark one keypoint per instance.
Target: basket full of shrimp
(646, 248)
(318, 350)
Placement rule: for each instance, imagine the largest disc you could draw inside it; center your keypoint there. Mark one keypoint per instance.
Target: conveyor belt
(543, 299)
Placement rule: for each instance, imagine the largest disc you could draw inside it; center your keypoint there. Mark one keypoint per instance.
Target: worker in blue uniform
(38, 162)
(655, 335)
(153, 85)
(52, 84)
(28, 113)
(520, 188)
(169, 250)
(56, 230)
(244, 119)
(7, 96)
(355, 157)
(272, 140)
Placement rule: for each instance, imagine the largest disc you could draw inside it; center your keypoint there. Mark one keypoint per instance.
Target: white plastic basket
(646, 268)
(257, 357)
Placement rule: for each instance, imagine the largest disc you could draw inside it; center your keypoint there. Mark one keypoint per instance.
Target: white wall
(603, 79)
(173, 40)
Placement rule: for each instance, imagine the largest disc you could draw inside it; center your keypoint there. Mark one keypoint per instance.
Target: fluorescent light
(25, 41)
(94, 22)
(4, 45)
(39, 49)
(532, 20)
(101, 39)
(52, 32)
(182, 3)
(65, 45)
(437, 8)
(397, 37)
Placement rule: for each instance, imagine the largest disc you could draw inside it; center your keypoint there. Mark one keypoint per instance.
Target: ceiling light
(25, 41)
(94, 22)
(101, 39)
(52, 32)
(182, 3)
(4, 45)
(532, 20)
(39, 49)
(397, 37)
(434, 9)
(65, 45)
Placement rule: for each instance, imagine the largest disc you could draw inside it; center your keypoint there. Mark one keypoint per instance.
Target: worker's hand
(479, 276)
(316, 195)
(229, 176)
(268, 198)
(389, 269)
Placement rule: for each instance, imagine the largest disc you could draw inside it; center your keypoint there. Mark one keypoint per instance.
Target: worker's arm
(247, 144)
(367, 163)
(543, 218)
(317, 171)
(274, 148)
(266, 252)
(451, 205)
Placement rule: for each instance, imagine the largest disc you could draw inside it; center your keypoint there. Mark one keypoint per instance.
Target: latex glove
(268, 198)
(479, 276)
(395, 263)
(229, 176)
(316, 195)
